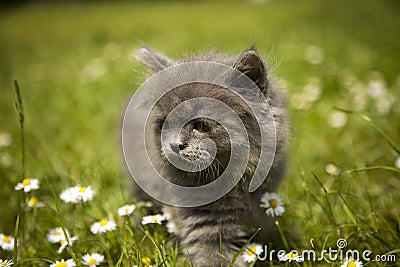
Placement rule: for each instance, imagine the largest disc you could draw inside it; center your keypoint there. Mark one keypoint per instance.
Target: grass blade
(243, 248)
(19, 105)
(369, 168)
(385, 136)
(330, 210)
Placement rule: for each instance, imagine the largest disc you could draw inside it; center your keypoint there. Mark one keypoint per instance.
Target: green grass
(74, 67)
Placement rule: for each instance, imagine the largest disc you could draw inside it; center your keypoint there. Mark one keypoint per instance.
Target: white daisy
(273, 204)
(32, 202)
(62, 263)
(56, 235)
(352, 263)
(85, 193)
(126, 210)
(291, 256)
(93, 259)
(64, 243)
(77, 194)
(252, 252)
(6, 242)
(332, 169)
(103, 226)
(6, 263)
(158, 218)
(69, 195)
(28, 184)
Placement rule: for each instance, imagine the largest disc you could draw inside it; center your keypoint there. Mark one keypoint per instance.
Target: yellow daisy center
(57, 233)
(146, 261)
(82, 189)
(61, 264)
(92, 261)
(6, 239)
(351, 264)
(26, 182)
(273, 203)
(291, 255)
(103, 222)
(251, 251)
(63, 241)
(2, 263)
(126, 210)
(33, 201)
(154, 219)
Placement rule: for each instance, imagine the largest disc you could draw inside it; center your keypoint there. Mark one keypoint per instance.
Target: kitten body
(213, 233)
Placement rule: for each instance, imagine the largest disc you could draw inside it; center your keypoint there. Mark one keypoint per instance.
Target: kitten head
(199, 150)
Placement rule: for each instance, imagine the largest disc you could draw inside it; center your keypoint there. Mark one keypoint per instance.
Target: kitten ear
(153, 60)
(251, 64)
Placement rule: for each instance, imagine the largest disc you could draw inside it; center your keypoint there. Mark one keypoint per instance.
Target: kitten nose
(177, 146)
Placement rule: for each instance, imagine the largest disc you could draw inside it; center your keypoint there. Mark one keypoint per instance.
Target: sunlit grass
(338, 62)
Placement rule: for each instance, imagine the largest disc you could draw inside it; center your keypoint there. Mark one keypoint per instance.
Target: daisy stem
(34, 215)
(22, 220)
(15, 256)
(104, 244)
(62, 223)
(81, 211)
(30, 225)
(155, 243)
(284, 240)
(124, 224)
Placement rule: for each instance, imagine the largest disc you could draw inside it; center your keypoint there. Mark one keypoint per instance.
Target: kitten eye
(202, 127)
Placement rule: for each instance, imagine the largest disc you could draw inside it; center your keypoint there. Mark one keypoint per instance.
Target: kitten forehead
(195, 90)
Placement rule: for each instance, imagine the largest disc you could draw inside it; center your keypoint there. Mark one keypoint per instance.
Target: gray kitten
(213, 233)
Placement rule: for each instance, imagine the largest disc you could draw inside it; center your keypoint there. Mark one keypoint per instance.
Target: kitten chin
(237, 215)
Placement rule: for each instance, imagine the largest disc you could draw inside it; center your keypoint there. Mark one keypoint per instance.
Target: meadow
(337, 60)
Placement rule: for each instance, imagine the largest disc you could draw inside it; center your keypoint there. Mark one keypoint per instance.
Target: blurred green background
(74, 66)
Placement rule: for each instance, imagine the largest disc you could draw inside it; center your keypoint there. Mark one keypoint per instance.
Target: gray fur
(153, 60)
(236, 216)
